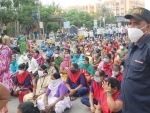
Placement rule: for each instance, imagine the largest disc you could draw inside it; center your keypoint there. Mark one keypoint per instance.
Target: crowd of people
(49, 77)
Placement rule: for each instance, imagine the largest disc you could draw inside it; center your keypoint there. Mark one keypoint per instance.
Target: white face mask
(40, 73)
(20, 71)
(135, 34)
(121, 47)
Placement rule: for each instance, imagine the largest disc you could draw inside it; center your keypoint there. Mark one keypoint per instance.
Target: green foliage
(107, 13)
(78, 18)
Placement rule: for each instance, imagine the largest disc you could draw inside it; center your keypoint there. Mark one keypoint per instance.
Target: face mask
(40, 73)
(97, 79)
(95, 55)
(100, 48)
(135, 34)
(73, 71)
(115, 73)
(20, 71)
(106, 60)
(109, 45)
(121, 47)
(56, 55)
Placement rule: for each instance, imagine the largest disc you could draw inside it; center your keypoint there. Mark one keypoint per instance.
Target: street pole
(1, 17)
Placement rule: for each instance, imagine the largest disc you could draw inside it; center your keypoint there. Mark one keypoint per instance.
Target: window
(122, 9)
(117, 3)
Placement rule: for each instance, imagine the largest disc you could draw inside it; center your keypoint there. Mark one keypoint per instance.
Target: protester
(95, 91)
(110, 99)
(32, 64)
(22, 44)
(76, 82)
(41, 83)
(106, 65)
(56, 98)
(6, 39)
(116, 72)
(22, 82)
(87, 69)
(39, 57)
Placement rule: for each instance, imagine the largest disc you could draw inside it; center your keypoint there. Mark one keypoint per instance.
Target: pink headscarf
(66, 61)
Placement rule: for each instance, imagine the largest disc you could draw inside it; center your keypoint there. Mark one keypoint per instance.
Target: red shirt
(119, 77)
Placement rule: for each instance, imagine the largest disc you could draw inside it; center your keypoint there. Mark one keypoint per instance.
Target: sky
(65, 3)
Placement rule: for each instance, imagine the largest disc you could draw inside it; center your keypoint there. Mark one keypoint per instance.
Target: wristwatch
(108, 93)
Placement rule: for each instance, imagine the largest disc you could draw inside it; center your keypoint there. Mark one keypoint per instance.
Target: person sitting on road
(95, 90)
(88, 69)
(116, 72)
(42, 81)
(76, 82)
(23, 84)
(111, 98)
(56, 97)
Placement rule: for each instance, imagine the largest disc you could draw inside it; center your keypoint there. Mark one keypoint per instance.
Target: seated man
(76, 82)
(95, 90)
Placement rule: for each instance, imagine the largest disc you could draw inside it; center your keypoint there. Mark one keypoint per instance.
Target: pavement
(77, 107)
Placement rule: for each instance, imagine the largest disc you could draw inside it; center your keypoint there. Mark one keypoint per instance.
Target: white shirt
(33, 65)
(22, 59)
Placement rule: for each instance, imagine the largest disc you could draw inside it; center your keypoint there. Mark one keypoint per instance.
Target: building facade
(118, 7)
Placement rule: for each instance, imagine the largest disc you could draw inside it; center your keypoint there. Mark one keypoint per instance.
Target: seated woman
(111, 99)
(106, 65)
(22, 82)
(64, 67)
(13, 66)
(57, 59)
(56, 97)
(87, 69)
(116, 72)
(51, 68)
(76, 82)
(41, 83)
(39, 57)
(97, 58)
(95, 90)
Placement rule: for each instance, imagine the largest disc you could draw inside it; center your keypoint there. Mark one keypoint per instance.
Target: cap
(140, 14)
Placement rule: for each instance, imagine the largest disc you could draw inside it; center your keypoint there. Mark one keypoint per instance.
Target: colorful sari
(22, 44)
(58, 61)
(5, 59)
(65, 66)
(87, 69)
(39, 58)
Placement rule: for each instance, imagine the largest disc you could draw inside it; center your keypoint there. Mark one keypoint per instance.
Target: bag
(22, 94)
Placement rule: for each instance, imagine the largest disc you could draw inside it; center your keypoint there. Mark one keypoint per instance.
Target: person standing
(136, 82)
(22, 44)
(5, 60)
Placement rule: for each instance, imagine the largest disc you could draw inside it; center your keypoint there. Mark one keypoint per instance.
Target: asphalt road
(77, 107)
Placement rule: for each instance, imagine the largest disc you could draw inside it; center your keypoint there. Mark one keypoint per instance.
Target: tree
(106, 13)
(49, 11)
(78, 18)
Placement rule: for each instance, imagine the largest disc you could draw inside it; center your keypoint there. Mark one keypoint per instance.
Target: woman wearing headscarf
(57, 59)
(87, 68)
(56, 97)
(22, 44)
(64, 67)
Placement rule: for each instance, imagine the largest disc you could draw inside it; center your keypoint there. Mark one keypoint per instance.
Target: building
(121, 7)
(118, 7)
